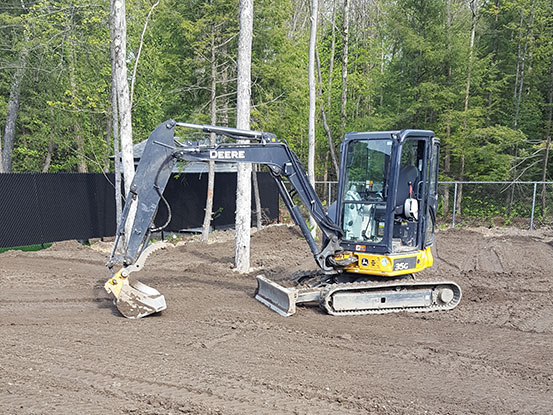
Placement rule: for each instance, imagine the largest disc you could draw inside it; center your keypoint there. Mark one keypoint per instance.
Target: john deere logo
(227, 154)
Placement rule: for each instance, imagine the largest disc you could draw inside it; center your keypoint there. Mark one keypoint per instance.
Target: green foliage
(408, 67)
(27, 248)
(489, 156)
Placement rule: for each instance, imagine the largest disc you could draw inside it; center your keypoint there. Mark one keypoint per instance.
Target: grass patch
(35, 247)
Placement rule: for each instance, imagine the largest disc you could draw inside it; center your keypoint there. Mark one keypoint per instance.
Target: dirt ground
(215, 350)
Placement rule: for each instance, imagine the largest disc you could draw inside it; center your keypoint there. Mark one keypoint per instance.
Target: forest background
(478, 73)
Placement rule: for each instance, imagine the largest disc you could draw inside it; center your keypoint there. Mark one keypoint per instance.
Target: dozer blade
(276, 297)
(134, 300)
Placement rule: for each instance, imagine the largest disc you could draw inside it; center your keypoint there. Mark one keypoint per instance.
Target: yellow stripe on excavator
(389, 265)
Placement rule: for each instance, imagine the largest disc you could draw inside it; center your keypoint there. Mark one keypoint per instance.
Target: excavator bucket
(276, 297)
(134, 299)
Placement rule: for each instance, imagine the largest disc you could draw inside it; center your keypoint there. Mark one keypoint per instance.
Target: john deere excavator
(375, 236)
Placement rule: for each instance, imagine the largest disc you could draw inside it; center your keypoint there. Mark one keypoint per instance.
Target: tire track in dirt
(230, 394)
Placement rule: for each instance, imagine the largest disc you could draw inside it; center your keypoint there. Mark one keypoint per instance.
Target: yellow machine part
(115, 284)
(388, 265)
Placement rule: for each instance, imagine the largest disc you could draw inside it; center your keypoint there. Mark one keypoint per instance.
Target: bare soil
(215, 350)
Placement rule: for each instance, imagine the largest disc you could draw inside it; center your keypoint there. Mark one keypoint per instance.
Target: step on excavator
(375, 237)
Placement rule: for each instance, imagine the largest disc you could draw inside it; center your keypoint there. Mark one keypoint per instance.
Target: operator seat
(407, 174)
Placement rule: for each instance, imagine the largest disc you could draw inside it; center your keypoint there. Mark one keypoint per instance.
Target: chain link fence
(523, 204)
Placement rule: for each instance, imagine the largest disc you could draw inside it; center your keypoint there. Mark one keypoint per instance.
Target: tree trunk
(473, 9)
(115, 129)
(119, 40)
(460, 186)
(133, 77)
(312, 104)
(447, 158)
(79, 140)
(13, 110)
(494, 47)
(48, 159)
(447, 169)
(345, 40)
(323, 116)
(243, 93)
(549, 129)
(116, 152)
(211, 165)
(224, 83)
(257, 198)
(521, 61)
(332, 52)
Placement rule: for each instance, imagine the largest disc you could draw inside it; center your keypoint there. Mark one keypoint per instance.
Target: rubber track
(327, 293)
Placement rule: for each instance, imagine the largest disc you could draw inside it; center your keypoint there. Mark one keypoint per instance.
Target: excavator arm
(160, 154)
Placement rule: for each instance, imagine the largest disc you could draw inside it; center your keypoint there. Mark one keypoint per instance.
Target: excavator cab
(387, 198)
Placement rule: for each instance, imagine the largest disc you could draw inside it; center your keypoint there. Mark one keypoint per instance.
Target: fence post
(533, 206)
(454, 204)
(329, 194)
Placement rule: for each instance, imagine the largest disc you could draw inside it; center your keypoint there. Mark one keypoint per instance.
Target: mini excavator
(375, 236)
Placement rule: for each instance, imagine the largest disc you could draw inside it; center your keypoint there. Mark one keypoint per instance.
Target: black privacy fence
(36, 208)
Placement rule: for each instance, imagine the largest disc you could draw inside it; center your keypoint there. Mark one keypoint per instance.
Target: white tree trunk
(13, 110)
(211, 172)
(243, 185)
(312, 104)
(345, 40)
(133, 77)
(257, 198)
(77, 133)
(473, 7)
(119, 39)
(549, 130)
(330, 141)
(125, 124)
(115, 134)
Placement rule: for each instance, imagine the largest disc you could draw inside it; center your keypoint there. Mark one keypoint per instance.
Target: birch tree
(211, 168)
(13, 109)
(119, 39)
(243, 93)
(115, 129)
(473, 9)
(345, 45)
(312, 103)
(549, 131)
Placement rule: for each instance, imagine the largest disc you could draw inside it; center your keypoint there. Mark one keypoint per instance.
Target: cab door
(432, 198)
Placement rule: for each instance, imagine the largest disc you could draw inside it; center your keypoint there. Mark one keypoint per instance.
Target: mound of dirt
(67, 246)
(489, 251)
